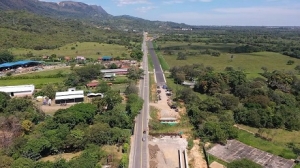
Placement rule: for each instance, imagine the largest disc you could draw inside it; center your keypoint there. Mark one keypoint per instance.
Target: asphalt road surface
(159, 75)
(140, 147)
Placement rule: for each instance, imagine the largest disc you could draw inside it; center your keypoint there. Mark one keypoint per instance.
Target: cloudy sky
(207, 12)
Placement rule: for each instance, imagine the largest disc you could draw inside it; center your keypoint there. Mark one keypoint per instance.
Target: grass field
(251, 63)
(279, 136)
(274, 147)
(37, 82)
(150, 64)
(87, 49)
(119, 87)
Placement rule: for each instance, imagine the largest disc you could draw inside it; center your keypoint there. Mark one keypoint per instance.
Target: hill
(91, 14)
(22, 29)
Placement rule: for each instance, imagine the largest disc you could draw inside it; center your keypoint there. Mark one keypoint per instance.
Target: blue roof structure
(18, 63)
(106, 57)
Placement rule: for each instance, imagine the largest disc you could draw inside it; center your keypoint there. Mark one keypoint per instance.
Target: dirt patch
(196, 158)
(67, 156)
(216, 165)
(53, 108)
(153, 149)
(164, 151)
(162, 104)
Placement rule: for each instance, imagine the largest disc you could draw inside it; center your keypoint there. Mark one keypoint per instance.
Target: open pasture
(87, 49)
(251, 63)
(37, 82)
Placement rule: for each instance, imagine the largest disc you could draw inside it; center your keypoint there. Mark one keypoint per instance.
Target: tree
(19, 105)
(72, 80)
(6, 56)
(23, 162)
(135, 73)
(5, 161)
(112, 98)
(36, 148)
(49, 90)
(181, 56)
(131, 89)
(113, 66)
(243, 163)
(103, 88)
(88, 72)
(27, 125)
(290, 62)
(4, 98)
(137, 54)
(228, 101)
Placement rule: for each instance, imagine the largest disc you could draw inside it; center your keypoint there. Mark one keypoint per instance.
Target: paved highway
(139, 155)
(159, 75)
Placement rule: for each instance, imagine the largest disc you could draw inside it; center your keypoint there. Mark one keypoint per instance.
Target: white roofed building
(18, 91)
(116, 71)
(70, 96)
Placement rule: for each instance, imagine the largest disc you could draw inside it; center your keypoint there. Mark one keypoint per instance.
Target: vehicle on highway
(143, 139)
(144, 132)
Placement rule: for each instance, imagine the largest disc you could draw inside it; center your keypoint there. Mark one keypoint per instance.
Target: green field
(87, 49)
(279, 136)
(37, 82)
(251, 63)
(275, 148)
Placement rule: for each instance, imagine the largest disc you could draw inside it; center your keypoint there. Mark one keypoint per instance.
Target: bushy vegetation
(243, 163)
(263, 103)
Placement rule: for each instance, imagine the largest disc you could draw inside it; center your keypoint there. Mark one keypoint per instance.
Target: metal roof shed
(69, 97)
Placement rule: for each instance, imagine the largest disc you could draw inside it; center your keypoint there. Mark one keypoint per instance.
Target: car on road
(144, 132)
(143, 139)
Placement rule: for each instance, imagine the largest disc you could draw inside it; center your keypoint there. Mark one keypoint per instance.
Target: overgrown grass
(87, 49)
(163, 63)
(37, 82)
(151, 88)
(268, 146)
(280, 136)
(150, 64)
(251, 63)
(119, 87)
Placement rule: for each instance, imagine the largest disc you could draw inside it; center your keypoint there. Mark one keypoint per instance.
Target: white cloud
(145, 9)
(131, 2)
(259, 16)
(173, 2)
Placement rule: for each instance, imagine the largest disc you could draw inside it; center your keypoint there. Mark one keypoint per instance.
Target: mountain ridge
(88, 13)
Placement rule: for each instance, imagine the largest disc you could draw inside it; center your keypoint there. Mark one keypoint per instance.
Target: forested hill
(61, 9)
(90, 14)
(28, 30)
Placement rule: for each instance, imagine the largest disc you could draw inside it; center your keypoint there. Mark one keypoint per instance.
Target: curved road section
(159, 74)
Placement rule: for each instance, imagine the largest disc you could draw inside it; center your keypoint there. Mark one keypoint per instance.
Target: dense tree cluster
(83, 75)
(263, 103)
(32, 135)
